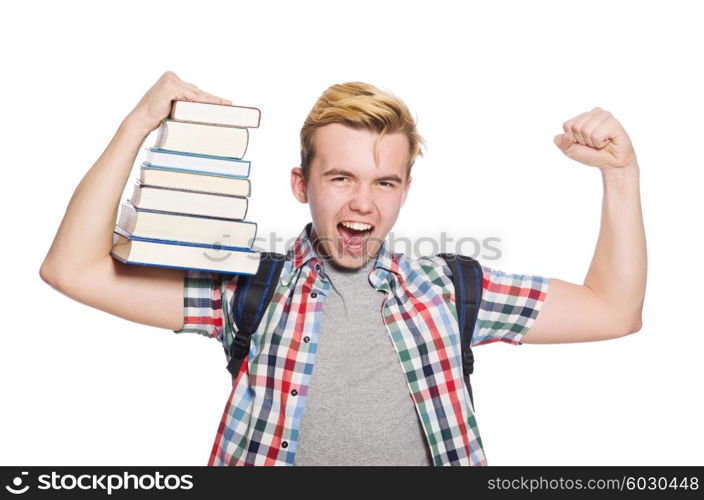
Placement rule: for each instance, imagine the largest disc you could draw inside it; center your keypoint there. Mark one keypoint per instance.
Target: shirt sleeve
(204, 294)
(510, 304)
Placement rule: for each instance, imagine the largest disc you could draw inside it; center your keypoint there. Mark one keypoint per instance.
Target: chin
(344, 257)
(351, 262)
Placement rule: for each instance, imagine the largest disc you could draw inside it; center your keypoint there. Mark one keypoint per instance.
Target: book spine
(246, 142)
(128, 217)
(162, 134)
(135, 199)
(254, 237)
(246, 207)
(174, 108)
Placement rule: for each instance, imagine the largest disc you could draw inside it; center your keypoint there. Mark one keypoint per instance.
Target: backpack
(254, 292)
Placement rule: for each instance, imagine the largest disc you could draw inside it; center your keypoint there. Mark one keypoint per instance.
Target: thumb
(563, 141)
(576, 151)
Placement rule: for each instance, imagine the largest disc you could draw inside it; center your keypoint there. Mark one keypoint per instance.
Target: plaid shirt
(263, 412)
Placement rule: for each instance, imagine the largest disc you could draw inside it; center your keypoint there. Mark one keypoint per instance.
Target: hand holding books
(156, 103)
(189, 203)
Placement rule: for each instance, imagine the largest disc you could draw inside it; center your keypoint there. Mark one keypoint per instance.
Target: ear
(406, 189)
(298, 184)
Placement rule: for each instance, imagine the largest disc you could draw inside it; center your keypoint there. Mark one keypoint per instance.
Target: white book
(232, 186)
(199, 138)
(166, 226)
(189, 202)
(219, 114)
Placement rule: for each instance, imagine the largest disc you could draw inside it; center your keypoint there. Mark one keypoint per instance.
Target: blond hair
(363, 106)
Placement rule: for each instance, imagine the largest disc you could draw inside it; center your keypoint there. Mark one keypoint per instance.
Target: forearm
(617, 274)
(84, 237)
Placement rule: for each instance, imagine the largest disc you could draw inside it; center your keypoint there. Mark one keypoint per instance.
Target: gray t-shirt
(358, 408)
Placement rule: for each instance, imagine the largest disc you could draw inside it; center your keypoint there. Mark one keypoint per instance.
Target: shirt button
(294, 392)
(284, 444)
(306, 339)
(313, 295)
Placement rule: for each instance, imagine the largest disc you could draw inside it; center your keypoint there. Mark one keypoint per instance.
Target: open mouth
(354, 235)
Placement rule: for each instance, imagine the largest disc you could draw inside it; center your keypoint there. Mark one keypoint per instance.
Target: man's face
(353, 201)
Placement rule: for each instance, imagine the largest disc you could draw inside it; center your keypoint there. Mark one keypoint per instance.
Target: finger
(567, 126)
(570, 126)
(595, 117)
(577, 151)
(596, 130)
(196, 90)
(212, 98)
(607, 131)
(578, 128)
(193, 93)
(219, 100)
(585, 123)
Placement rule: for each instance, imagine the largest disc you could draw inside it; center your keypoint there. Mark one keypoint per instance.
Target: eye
(337, 179)
(386, 184)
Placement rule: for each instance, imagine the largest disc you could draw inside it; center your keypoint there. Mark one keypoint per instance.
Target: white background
(490, 84)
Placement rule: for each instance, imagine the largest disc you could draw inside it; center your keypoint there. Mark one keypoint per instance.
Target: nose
(362, 200)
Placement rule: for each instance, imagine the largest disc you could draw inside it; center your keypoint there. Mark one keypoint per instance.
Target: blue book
(181, 255)
(196, 163)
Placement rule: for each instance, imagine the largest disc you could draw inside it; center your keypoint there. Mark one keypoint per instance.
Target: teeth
(359, 226)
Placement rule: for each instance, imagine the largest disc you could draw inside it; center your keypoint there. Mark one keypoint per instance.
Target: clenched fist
(597, 139)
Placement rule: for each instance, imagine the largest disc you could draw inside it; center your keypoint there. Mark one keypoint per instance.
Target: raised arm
(610, 301)
(79, 264)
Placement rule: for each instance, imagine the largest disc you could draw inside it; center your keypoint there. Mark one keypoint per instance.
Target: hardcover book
(189, 181)
(189, 202)
(217, 259)
(199, 138)
(218, 114)
(200, 164)
(171, 226)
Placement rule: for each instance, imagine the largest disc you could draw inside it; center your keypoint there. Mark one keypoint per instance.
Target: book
(188, 205)
(199, 138)
(210, 258)
(194, 181)
(166, 226)
(189, 202)
(219, 114)
(189, 162)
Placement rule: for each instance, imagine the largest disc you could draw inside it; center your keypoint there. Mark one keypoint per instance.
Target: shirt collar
(301, 251)
(386, 265)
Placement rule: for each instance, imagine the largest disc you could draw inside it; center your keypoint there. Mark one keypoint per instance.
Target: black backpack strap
(468, 278)
(252, 296)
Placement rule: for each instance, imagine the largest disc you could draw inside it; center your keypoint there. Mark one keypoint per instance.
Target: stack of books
(189, 204)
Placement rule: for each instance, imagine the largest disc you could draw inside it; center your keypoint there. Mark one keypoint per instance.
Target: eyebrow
(336, 171)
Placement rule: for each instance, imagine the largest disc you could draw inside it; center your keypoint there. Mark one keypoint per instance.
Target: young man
(357, 359)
